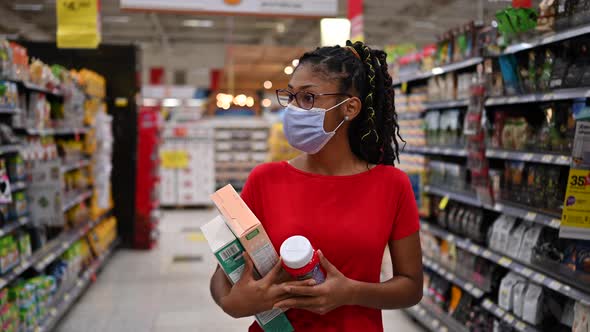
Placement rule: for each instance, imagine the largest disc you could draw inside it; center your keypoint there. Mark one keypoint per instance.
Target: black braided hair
(374, 134)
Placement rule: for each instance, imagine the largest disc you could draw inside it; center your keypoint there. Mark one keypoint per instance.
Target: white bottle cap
(296, 252)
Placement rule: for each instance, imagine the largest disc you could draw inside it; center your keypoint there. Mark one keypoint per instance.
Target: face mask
(304, 129)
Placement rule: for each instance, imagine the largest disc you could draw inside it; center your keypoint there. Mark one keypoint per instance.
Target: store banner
(575, 220)
(357, 20)
(284, 8)
(78, 23)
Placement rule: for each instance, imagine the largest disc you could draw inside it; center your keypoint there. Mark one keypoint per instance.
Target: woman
(343, 194)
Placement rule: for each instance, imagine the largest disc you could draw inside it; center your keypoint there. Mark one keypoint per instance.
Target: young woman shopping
(343, 194)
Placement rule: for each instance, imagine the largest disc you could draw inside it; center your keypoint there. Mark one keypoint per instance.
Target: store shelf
(565, 286)
(5, 149)
(75, 165)
(37, 88)
(463, 197)
(544, 158)
(11, 226)
(511, 209)
(62, 305)
(548, 38)
(56, 131)
(76, 199)
(426, 318)
(439, 70)
(452, 277)
(447, 151)
(409, 115)
(507, 317)
(44, 256)
(446, 104)
(18, 186)
(9, 110)
(560, 94)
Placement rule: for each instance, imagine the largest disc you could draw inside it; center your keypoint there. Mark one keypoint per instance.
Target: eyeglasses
(304, 99)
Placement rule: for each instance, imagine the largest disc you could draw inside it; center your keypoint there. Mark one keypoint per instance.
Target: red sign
(356, 17)
(521, 3)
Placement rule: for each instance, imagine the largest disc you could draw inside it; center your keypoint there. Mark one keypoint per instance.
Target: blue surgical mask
(304, 129)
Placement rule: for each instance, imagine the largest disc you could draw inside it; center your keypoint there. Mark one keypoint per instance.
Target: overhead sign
(293, 8)
(78, 23)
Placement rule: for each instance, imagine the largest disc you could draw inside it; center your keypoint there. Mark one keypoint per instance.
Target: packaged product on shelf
(20, 62)
(505, 294)
(24, 245)
(19, 206)
(578, 65)
(16, 168)
(9, 255)
(529, 242)
(581, 318)
(518, 294)
(577, 256)
(9, 97)
(6, 66)
(501, 231)
(532, 309)
(515, 240)
(432, 122)
(547, 13)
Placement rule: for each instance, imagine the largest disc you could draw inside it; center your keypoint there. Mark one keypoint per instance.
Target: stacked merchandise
(188, 166)
(55, 175)
(240, 145)
(147, 192)
(500, 125)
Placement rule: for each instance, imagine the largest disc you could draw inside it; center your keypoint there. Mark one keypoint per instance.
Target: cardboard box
(247, 228)
(228, 251)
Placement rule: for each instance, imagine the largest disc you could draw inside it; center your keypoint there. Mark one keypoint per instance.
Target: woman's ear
(353, 108)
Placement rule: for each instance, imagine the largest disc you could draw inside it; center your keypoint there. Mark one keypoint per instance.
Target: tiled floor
(146, 291)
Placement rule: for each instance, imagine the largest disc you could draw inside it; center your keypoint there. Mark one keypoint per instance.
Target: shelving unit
(446, 104)
(548, 38)
(559, 94)
(13, 225)
(507, 317)
(511, 209)
(75, 165)
(544, 158)
(547, 278)
(62, 305)
(446, 151)
(451, 276)
(439, 70)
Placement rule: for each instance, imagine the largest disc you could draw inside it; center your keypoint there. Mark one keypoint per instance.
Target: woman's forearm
(396, 293)
(219, 286)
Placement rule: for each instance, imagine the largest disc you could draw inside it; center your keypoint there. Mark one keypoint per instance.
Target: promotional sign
(174, 159)
(357, 21)
(575, 220)
(78, 23)
(291, 8)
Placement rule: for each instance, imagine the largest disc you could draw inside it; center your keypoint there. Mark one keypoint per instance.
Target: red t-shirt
(350, 218)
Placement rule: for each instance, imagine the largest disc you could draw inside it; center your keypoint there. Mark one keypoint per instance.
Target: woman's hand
(250, 296)
(336, 291)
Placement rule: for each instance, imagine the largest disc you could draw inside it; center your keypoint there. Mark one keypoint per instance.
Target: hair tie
(356, 54)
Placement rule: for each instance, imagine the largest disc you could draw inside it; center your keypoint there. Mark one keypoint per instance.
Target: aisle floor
(166, 289)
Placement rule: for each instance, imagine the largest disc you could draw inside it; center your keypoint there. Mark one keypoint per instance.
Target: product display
(499, 125)
(56, 157)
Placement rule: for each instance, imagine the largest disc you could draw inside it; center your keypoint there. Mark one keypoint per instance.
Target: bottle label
(316, 274)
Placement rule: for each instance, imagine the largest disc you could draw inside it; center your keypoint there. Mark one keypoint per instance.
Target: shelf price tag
(530, 216)
(539, 278)
(505, 261)
(509, 318)
(528, 157)
(520, 326)
(547, 158)
(487, 254)
(526, 272)
(443, 202)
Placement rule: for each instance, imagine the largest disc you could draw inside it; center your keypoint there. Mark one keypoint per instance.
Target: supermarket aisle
(166, 289)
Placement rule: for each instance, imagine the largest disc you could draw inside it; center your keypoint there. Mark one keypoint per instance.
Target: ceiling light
(198, 23)
(225, 106)
(288, 70)
(266, 102)
(267, 85)
(219, 104)
(295, 63)
(116, 19)
(494, 23)
(335, 31)
(281, 28)
(250, 102)
(171, 102)
(28, 7)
